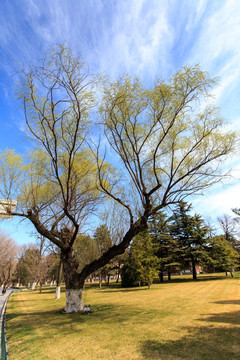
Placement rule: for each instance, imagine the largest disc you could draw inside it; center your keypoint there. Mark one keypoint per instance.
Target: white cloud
(217, 46)
(218, 203)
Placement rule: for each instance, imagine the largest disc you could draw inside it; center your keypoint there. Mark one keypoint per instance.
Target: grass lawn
(171, 321)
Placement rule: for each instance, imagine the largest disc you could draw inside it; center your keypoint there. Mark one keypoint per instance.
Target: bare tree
(229, 227)
(8, 252)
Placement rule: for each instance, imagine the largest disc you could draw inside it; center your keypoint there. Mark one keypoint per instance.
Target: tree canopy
(169, 145)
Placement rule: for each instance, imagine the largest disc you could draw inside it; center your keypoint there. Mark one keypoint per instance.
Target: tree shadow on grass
(117, 287)
(228, 302)
(202, 343)
(227, 318)
(124, 290)
(186, 278)
(212, 342)
(56, 318)
(100, 314)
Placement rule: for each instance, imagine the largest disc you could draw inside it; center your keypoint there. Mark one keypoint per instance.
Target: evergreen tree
(103, 241)
(223, 256)
(86, 250)
(142, 263)
(103, 238)
(167, 247)
(191, 234)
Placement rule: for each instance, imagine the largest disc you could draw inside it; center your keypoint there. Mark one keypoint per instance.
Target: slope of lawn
(171, 321)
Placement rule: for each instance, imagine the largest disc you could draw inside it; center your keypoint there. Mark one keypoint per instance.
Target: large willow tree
(167, 147)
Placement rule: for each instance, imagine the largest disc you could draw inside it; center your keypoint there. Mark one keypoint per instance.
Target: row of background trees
(171, 244)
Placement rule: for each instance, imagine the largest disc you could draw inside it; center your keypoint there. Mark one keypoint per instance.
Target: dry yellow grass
(171, 321)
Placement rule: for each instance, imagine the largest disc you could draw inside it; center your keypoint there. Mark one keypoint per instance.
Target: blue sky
(147, 38)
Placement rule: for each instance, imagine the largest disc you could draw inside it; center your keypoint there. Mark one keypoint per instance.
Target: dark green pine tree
(167, 246)
(103, 238)
(223, 256)
(103, 241)
(191, 234)
(142, 263)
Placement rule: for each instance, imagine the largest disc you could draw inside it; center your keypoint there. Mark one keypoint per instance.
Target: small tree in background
(229, 226)
(34, 267)
(223, 256)
(103, 242)
(8, 258)
(142, 264)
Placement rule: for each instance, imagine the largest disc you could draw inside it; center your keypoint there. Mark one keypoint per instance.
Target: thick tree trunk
(74, 302)
(74, 280)
(74, 285)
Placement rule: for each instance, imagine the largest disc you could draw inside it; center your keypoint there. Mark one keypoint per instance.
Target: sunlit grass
(177, 320)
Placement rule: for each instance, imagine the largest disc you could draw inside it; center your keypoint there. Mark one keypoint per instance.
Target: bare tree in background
(8, 252)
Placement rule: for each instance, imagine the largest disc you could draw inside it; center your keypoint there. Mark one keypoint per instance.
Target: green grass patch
(182, 319)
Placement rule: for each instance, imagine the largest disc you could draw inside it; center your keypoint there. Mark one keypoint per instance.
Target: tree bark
(58, 287)
(194, 273)
(74, 302)
(33, 287)
(74, 284)
(118, 275)
(161, 276)
(169, 275)
(149, 283)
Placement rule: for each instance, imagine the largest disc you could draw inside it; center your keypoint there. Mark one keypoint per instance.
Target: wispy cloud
(217, 203)
(142, 37)
(217, 45)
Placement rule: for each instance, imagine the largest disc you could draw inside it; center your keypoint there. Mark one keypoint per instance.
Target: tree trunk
(100, 281)
(194, 273)
(169, 275)
(149, 283)
(73, 279)
(161, 276)
(58, 287)
(74, 302)
(74, 285)
(58, 292)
